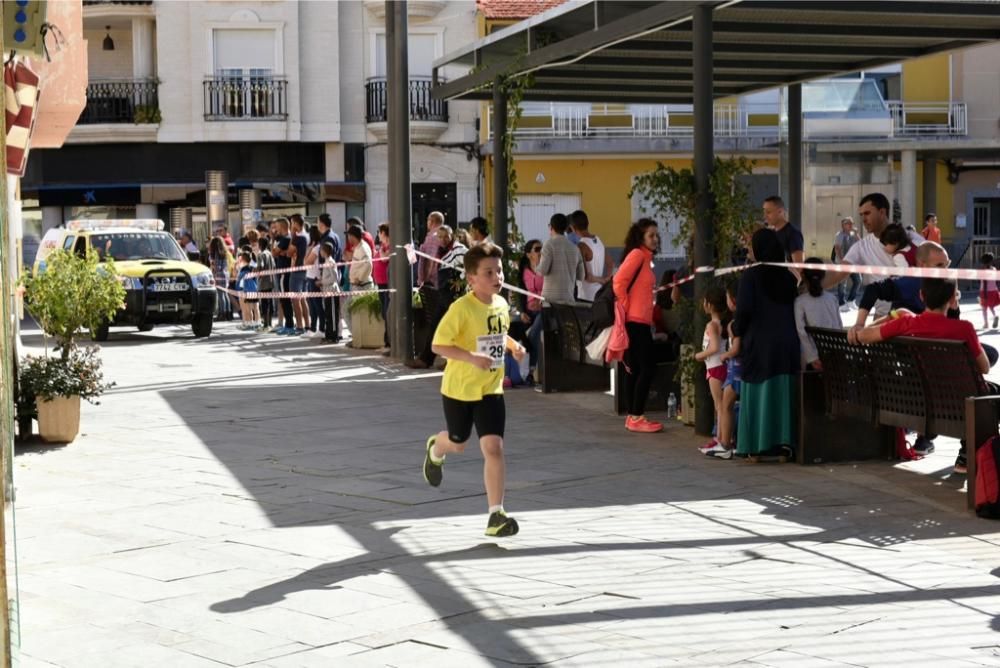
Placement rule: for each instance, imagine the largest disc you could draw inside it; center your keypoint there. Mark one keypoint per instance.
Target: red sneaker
(642, 425)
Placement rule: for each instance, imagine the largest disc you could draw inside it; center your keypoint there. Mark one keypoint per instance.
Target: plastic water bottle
(672, 406)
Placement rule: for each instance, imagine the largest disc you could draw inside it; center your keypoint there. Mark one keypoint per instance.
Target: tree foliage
(73, 294)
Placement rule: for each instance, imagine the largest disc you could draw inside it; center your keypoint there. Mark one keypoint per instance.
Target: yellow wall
(926, 79)
(945, 201)
(603, 185)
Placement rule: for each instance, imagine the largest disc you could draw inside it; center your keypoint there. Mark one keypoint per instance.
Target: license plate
(170, 287)
(169, 307)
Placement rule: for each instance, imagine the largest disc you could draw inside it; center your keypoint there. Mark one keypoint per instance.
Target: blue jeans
(855, 280)
(534, 338)
(315, 306)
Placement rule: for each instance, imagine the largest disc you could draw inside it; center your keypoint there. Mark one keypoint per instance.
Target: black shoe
(500, 525)
(961, 466)
(996, 321)
(433, 473)
(923, 446)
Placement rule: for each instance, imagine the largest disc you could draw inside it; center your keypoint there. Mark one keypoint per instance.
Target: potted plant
(367, 326)
(74, 294)
(56, 385)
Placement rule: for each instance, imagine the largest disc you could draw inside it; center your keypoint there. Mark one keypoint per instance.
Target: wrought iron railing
(245, 98)
(124, 101)
(423, 107)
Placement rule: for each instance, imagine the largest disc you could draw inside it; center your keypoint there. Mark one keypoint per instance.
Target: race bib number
(493, 345)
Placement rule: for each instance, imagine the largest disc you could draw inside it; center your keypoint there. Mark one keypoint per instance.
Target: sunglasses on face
(536, 249)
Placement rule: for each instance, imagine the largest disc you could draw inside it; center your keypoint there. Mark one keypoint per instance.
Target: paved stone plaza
(258, 501)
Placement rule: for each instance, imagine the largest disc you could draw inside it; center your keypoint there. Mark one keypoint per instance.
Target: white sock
(437, 461)
(496, 509)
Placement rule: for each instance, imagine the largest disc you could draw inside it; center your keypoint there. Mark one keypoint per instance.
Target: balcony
(928, 119)
(249, 98)
(891, 120)
(119, 110)
(125, 101)
(428, 117)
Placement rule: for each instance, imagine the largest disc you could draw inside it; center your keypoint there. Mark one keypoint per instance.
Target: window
(244, 52)
(354, 162)
(421, 52)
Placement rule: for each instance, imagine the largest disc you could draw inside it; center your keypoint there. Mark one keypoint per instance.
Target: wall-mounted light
(109, 44)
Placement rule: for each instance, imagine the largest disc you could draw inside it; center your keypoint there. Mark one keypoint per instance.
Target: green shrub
(369, 303)
(50, 377)
(73, 294)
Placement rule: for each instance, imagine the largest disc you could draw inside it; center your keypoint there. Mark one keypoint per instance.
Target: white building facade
(286, 97)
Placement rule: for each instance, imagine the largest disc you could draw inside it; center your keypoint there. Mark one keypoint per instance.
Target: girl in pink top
(532, 282)
(380, 272)
(633, 285)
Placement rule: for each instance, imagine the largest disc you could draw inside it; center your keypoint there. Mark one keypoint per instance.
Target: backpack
(602, 313)
(988, 479)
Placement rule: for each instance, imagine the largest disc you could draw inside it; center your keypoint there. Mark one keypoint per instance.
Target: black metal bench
(851, 410)
(563, 364)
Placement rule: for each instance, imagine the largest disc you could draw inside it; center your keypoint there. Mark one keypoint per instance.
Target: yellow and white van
(162, 285)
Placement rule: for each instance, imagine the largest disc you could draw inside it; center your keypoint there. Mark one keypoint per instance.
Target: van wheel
(147, 327)
(101, 333)
(202, 325)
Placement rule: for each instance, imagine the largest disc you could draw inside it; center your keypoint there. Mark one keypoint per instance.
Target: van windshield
(136, 246)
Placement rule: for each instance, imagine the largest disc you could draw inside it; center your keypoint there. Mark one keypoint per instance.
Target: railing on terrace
(121, 101)
(423, 107)
(583, 121)
(250, 98)
(928, 119)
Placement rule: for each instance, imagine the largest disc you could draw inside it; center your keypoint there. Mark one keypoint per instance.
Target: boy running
(472, 335)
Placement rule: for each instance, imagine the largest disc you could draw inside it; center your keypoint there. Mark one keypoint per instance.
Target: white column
(908, 186)
(145, 211)
(52, 216)
(143, 48)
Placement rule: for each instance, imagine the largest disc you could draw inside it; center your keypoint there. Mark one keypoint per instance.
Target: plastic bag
(596, 348)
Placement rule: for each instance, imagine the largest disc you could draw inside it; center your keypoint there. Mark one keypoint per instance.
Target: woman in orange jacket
(633, 285)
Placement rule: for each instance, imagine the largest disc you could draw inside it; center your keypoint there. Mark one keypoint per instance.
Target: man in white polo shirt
(874, 212)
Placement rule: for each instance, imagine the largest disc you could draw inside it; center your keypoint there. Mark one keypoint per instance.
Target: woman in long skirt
(765, 321)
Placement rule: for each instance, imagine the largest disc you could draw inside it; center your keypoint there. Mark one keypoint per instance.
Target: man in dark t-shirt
(297, 280)
(790, 237)
(282, 252)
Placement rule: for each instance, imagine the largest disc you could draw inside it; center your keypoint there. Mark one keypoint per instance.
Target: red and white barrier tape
(412, 253)
(290, 270)
(871, 270)
(300, 295)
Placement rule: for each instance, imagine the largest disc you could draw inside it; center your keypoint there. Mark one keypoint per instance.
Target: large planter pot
(366, 331)
(59, 419)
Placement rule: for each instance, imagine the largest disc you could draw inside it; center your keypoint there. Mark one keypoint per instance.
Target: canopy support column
(704, 157)
(500, 185)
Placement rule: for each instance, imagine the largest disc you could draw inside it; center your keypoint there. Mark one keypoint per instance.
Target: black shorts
(489, 414)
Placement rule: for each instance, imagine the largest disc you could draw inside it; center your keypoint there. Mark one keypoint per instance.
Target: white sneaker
(846, 308)
(715, 449)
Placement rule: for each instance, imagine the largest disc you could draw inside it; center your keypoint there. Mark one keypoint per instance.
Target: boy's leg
(494, 470)
(490, 417)
(458, 416)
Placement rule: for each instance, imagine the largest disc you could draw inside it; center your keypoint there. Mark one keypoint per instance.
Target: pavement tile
(227, 537)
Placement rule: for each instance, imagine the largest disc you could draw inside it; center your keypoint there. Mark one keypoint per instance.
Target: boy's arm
(462, 355)
(865, 336)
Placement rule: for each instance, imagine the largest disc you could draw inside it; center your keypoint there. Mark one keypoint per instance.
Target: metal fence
(121, 101)
(423, 107)
(252, 98)
(586, 121)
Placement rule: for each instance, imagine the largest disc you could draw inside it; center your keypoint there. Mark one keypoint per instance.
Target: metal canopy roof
(627, 51)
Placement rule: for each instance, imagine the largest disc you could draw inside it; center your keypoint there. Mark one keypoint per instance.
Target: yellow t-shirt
(474, 326)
